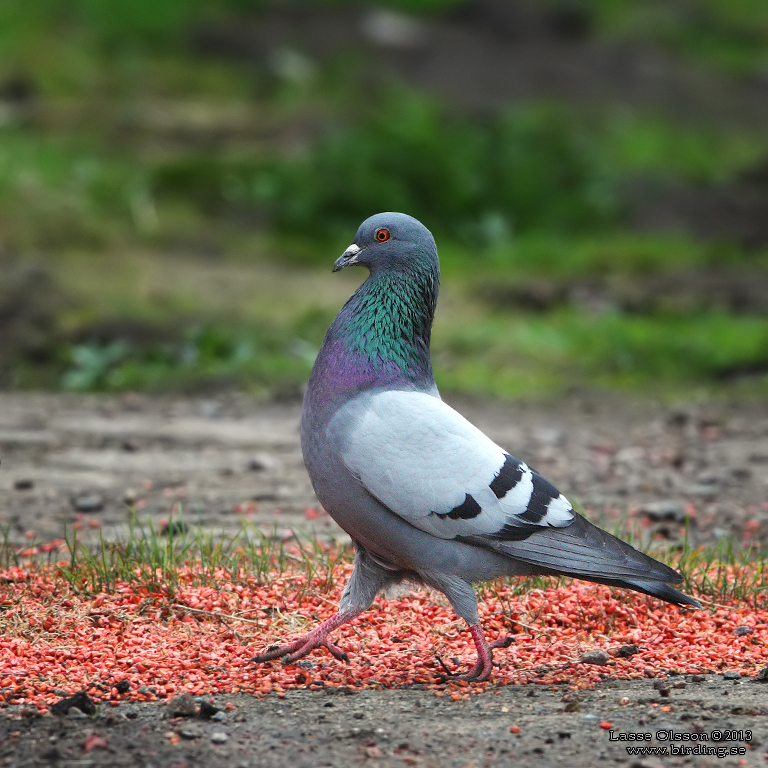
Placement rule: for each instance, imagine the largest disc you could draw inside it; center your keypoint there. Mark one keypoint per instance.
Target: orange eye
(382, 235)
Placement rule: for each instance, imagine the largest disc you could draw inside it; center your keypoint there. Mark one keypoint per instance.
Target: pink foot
(317, 638)
(482, 669)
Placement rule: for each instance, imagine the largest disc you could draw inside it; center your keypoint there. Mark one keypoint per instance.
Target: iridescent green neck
(391, 321)
(383, 331)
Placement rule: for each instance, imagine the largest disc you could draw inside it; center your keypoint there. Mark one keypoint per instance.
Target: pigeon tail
(653, 588)
(660, 590)
(584, 551)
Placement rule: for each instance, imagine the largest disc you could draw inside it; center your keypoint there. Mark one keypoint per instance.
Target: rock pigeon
(424, 494)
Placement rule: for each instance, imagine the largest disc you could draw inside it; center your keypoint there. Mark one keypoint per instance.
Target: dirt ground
(646, 466)
(414, 728)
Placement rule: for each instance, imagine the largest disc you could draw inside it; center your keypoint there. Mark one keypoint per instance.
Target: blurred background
(178, 176)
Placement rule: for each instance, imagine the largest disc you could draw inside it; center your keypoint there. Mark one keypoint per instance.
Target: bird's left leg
(484, 664)
(464, 602)
(367, 580)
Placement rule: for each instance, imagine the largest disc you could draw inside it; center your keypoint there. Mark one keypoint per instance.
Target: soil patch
(526, 724)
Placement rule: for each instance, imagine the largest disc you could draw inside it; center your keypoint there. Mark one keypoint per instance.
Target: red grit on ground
(184, 637)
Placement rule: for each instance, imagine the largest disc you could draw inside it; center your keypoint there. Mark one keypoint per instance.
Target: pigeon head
(383, 331)
(391, 241)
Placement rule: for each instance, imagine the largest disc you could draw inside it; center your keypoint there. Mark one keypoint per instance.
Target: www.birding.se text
(684, 749)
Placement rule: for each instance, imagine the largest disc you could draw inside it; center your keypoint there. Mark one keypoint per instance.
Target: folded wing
(428, 464)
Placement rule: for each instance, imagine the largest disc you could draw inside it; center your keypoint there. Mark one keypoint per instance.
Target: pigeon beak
(348, 258)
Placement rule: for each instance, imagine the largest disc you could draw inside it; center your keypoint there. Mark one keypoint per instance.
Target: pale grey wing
(428, 464)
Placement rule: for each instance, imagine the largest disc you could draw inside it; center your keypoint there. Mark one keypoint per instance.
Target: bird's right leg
(462, 598)
(367, 580)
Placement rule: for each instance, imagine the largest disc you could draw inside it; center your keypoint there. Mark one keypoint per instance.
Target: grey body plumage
(424, 495)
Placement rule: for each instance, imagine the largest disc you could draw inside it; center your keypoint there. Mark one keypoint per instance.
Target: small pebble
(732, 676)
(23, 484)
(707, 492)
(174, 528)
(744, 630)
(80, 701)
(218, 737)
(208, 710)
(88, 502)
(260, 463)
(130, 496)
(219, 717)
(183, 705)
(664, 511)
(595, 657)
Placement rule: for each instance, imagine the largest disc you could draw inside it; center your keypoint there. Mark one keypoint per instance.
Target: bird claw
(448, 674)
(482, 669)
(317, 638)
(477, 674)
(335, 651)
(310, 645)
(275, 652)
(298, 649)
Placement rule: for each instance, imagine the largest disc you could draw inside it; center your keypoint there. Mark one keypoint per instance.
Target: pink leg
(317, 638)
(482, 669)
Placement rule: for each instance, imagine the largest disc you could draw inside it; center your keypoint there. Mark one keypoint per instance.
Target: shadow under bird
(424, 494)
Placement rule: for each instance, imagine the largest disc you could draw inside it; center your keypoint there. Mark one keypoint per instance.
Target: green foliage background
(186, 241)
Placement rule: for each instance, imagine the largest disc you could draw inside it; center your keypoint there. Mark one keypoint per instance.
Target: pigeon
(425, 496)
